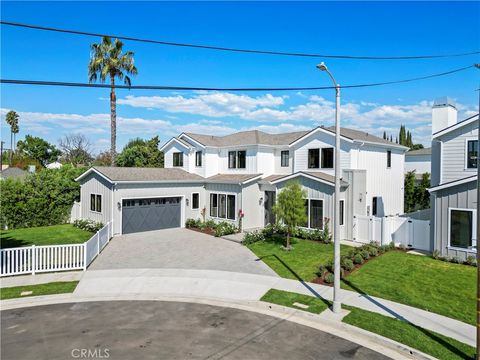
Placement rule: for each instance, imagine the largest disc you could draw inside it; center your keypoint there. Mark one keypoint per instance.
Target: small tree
(290, 208)
(422, 196)
(76, 149)
(409, 191)
(38, 149)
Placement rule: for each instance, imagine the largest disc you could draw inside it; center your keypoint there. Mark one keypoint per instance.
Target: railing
(37, 259)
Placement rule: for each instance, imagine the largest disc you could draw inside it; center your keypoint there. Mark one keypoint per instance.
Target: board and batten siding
(229, 189)
(279, 169)
(462, 196)
(152, 190)
(453, 155)
(252, 205)
(250, 165)
(95, 184)
(168, 156)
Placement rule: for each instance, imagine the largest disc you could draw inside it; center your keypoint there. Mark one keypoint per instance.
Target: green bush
(329, 278)
(392, 245)
(40, 199)
(436, 254)
(372, 251)
(224, 228)
(471, 260)
(252, 237)
(321, 270)
(88, 225)
(365, 254)
(192, 223)
(209, 224)
(358, 259)
(455, 260)
(347, 264)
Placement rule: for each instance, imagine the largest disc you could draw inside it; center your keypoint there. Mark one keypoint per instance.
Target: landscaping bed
(211, 227)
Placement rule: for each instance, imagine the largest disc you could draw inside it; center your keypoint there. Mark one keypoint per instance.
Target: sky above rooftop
(377, 28)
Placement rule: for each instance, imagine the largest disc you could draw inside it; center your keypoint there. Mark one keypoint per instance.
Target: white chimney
(444, 114)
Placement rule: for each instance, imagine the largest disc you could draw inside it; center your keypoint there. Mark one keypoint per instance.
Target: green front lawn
(434, 344)
(420, 281)
(301, 262)
(43, 235)
(37, 290)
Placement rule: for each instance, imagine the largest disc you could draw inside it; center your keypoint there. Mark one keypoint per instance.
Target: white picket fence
(401, 230)
(37, 259)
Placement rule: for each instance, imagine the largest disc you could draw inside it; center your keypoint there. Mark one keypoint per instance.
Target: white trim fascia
(178, 142)
(292, 176)
(258, 177)
(192, 140)
(456, 126)
(453, 183)
(95, 171)
(200, 181)
(317, 129)
(373, 143)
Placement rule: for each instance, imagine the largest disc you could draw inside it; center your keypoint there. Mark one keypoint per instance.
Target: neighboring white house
(454, 181)
(419, 161)
(54, 165)
(244, 171)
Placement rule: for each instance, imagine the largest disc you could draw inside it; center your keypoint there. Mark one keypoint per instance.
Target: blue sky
(358, 28)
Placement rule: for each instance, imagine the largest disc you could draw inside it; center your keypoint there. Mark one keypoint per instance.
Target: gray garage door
(150, 214)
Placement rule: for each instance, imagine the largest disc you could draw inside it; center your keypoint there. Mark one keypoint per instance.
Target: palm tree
(12, 120)
(107, 60)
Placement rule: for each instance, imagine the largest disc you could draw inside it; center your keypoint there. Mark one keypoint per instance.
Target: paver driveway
(178, 249)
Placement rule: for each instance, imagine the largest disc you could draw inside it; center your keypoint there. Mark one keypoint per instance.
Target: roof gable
(456, 126)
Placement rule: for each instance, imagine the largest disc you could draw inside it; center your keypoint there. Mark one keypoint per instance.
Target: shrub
(365, 254)
(192, 223)
(351, 253)
(347, 264)
(210, 224)
(436, 254)
(384, 248)
(471, 260)
(321, 270)
(329, 278)
(225, 228)
(358, 259)
(372, 251)
(401, 247)
(455, 260)
(88, 225)
(392, 245)
(252, 237)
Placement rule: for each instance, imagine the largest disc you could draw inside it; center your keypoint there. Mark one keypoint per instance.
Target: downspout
(113, 207)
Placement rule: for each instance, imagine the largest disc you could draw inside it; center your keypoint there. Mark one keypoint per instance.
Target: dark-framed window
(198, 159)
(178, 159)
(472, 154)
(96, 202)
(389, 159)
(222, 206)
(316, 214)
(313, 158)
(461, 228)
(374, 205)
(327, 158)
(195, 200)
(213, 205)
(231, 207)
(342, 212)
(232, 159)
(285, 158)
(242, 159)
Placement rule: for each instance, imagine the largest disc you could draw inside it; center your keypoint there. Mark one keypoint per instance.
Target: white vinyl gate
(401, 230)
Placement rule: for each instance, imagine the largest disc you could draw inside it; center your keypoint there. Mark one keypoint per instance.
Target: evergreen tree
(422, 196)
(409, 191)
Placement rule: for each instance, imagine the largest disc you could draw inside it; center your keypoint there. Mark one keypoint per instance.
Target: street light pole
(337, 305)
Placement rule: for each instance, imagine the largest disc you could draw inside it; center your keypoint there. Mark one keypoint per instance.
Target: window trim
(282, 164)
(96, 195)
(466, 168)
(474, 230)
(319, 158)
(197, 158)
(341, 220)
(191, 199)
(389, 159)
(308, 214)
(333, 157)
(181, 158)
(236, 159)
(227, 194)
(376, 205)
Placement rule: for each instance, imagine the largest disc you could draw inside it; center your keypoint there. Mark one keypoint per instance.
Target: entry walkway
(227, 285)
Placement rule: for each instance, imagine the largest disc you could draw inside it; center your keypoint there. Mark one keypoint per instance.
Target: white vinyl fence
(75, 212)
(37, 259)
(401, 230)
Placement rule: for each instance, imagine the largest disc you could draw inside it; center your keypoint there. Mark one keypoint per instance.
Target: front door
(269, 203)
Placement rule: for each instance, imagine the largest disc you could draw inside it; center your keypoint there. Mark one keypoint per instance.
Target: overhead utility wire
(161, 87)
(240, 50)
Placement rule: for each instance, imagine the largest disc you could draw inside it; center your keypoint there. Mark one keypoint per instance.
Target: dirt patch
(208, 231)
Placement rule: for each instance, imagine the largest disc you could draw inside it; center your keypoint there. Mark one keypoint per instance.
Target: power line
(240, 50)
(179, 88)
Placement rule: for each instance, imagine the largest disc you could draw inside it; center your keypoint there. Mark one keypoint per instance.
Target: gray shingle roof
(425, 151)
(232, 178)
(13, 172)
(146, 174)
(316, 174)
(254, 137)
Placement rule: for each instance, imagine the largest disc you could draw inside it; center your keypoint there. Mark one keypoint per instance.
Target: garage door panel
(150, 214)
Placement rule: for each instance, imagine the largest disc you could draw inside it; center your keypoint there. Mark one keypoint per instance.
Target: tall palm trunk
(113, 119)
(11, 146)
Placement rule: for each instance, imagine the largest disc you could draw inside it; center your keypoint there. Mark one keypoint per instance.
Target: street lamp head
(476, 65)
(322, 66)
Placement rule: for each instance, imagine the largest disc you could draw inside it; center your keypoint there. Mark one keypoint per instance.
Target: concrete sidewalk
(240, 286)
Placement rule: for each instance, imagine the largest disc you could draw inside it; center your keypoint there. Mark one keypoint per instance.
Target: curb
(380, 344)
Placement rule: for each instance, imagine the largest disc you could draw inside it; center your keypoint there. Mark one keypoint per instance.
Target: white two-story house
(219, 176)
(454, 181)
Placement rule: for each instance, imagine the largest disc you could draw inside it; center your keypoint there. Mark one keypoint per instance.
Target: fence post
(98, 242)
(85, 255)
(34, 257)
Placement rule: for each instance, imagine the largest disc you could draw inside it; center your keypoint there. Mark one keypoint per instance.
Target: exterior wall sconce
(260, 201)
(187, 201)
(119, 206)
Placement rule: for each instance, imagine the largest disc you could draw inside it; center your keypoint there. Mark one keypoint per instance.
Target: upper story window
(472, 153)
(327, 158)
(313, 158)
(389, 159)
(96, 203)
(177, 159)
(237, 159)
(285, 158)
(198, 159)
